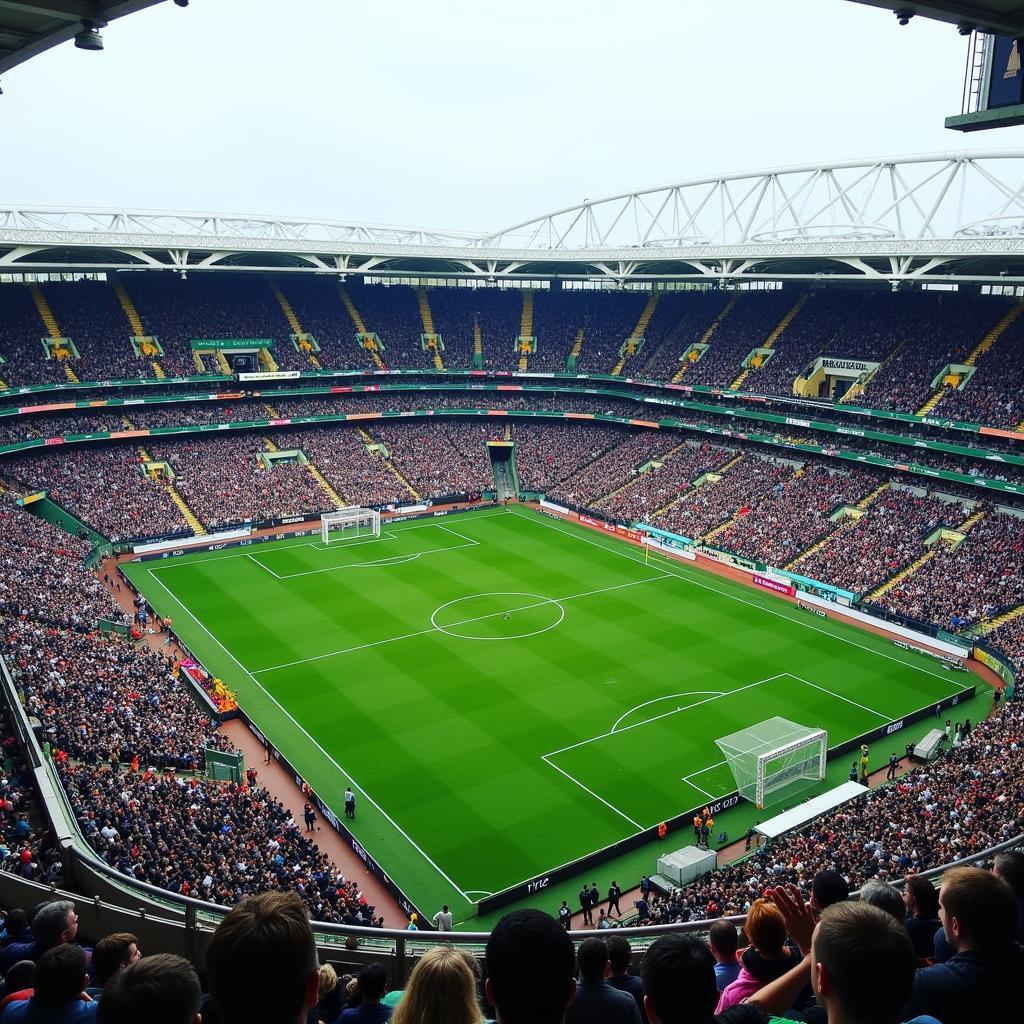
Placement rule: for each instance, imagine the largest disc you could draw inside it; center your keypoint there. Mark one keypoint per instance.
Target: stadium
(623, 564)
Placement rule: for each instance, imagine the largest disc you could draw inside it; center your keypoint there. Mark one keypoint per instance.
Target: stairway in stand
(293, 322)
(526, 325)
(50, 323)
(390, 466)
(706, 336)
(769, 342)
(135, 322)
(976, 353)
(637, 333)
(357, 320)
(428, 323)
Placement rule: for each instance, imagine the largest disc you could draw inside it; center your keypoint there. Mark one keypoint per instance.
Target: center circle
(502, 615)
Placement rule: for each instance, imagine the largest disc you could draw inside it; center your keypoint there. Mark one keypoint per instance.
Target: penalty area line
(586, 789)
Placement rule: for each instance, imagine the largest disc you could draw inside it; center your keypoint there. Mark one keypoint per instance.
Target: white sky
(466, 115)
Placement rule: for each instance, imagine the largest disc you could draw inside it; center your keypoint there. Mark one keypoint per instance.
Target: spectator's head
(55, 923)
(766, 928)
(162, 989)
(882, 895)
(592, 957)
(17, 921)
(619, 954)
(978, 910)
(441, 990)
(921, 897)
(113, 953)
(724, 941)
(265, 936)
(862, 964)
(373, 983)
(328, 982)
(827, 888)
(1009, 866)
(60, 976)
(530, 969)
(20, 977)
(678, 972)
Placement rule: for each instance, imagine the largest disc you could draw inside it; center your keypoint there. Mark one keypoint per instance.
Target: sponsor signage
(268, 374)
(777, 586)
(847, 365)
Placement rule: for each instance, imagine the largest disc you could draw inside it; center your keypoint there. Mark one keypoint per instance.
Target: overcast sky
(466, 115)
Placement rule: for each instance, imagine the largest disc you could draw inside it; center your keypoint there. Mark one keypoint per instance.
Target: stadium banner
(996, 661)
(728, 558)
(193, 542)
(774, 585)
(948, 660)
(544, 503)
(671, 539)
(958, 650)
(805, 582)
(269, 375)
(669, 549)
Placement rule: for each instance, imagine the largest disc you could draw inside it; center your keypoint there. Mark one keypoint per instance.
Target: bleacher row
(697, 337)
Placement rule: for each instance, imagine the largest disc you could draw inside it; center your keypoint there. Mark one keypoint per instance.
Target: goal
(349, 522)
(774, 758)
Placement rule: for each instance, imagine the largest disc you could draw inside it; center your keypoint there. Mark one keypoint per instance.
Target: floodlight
(89, 38)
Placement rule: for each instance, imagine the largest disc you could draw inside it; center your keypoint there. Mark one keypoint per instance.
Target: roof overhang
(996, 17)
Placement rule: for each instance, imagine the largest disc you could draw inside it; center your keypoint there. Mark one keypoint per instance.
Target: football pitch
(506, 692)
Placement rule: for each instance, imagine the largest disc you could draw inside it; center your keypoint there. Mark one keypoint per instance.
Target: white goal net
(344, 523)
(774, 758)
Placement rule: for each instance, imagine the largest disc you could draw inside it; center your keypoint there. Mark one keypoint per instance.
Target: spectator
(18, 982)
(765, 959)
(113, 953)
(596, 1001)
(827, 888)
(1009, 866)
(331, 997)
(921, 900)
(54, 924)
(162, 989)
(724, 941)
(530, 969)
(441, 990)
(619, 956)
(984, 980)
(884, 896)
(59, 994)
(373, 983)
(262, 963)
(679, 983)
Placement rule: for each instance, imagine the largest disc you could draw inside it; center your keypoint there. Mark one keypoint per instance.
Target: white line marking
(839, 696)
(319, 545)
(301, 728)
(700, 789)
(541, 601)
(621, 814)
(674, 711)
(701, 771)
(461, 622)
(545, 521)
(658, 700)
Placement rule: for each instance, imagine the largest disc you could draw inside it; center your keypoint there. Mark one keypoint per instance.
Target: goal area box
(349, 522)
(773, 758)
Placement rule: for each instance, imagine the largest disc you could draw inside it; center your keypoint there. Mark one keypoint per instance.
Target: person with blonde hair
(765, 959)
(441, 990)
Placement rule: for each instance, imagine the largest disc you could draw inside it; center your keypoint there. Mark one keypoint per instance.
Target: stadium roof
(998, 17)
(941, 216)
(28, 27)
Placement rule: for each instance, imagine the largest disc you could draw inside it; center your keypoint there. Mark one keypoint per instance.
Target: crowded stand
(549, 452)
(747, 325)
(392, 312)
(680, 319)
(665, 482)
(993, 395)
(43, 576)
(103, 700)
(106, 488)
(223, 481)
(977, 577)
(613, 469)
(866, 551)
(744, 484)
(449, 457)
(1009, 638)
(342, 455)
(796, 514)
(21, 331)
(455, 313)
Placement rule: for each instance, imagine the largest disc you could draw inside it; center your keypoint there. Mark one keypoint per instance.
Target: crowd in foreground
(824, 959)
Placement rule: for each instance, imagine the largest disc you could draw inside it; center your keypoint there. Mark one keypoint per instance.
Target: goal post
(349, 522)
(770, 758)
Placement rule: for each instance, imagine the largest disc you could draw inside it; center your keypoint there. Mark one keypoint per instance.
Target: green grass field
(506, 692)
